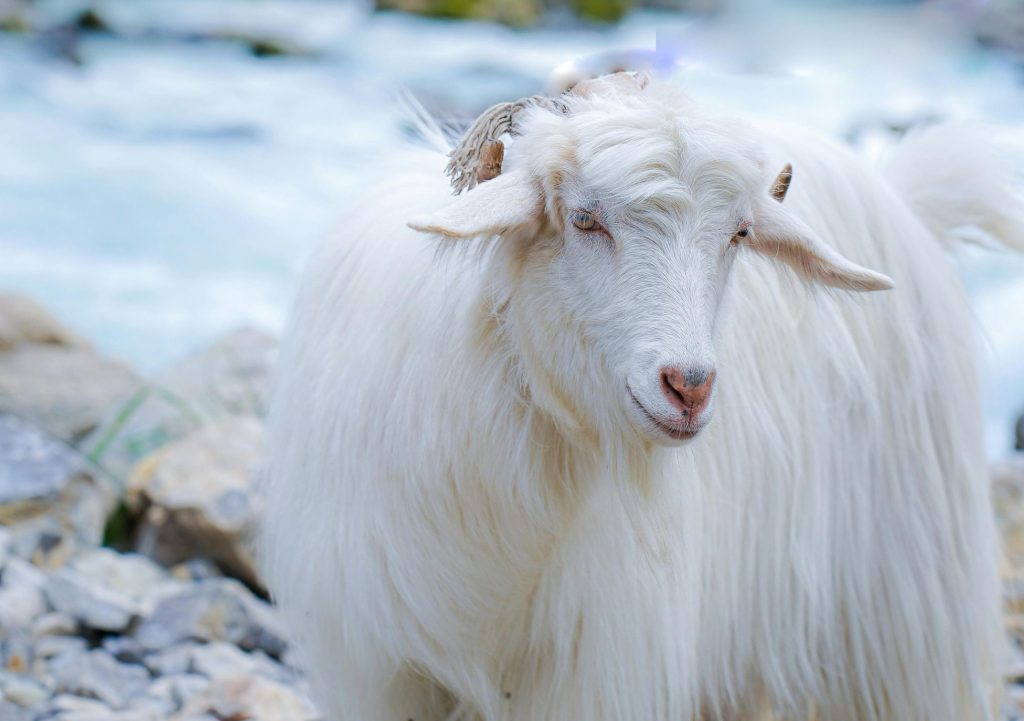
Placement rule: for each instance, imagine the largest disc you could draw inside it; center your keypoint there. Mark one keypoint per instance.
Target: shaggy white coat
(467, 519)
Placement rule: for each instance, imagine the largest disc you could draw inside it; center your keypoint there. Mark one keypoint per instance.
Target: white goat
(483, 498)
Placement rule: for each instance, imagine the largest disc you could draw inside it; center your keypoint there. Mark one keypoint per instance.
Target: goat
(495, 487)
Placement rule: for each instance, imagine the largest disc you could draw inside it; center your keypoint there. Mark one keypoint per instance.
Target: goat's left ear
(508, 201)
(782, 236)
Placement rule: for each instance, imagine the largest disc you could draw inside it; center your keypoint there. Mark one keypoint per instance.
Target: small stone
(71, 704)
(12, 712)
(23, 690)
(16, 652)
(125, 649)
(106, 590)
(219, 659)
(5, 546)
(99, 675)
(196, 569)
(54, 624)
(173, 661)
(214, 610)
(179, 689)
(1008, 502)
(23, 574)
(49, 647)
(19, 605)
(197, 497)
(252, 698)
(1013, 666)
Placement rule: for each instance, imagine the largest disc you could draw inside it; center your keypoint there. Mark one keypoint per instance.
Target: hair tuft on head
(477, 157)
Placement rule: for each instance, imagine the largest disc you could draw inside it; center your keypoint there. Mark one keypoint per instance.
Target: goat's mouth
(683, 431)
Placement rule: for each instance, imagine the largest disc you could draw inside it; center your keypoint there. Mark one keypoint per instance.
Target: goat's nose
(687, 390)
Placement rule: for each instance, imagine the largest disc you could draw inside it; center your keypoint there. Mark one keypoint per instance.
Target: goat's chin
(661, 432)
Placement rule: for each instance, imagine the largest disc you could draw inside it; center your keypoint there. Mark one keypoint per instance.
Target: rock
(177, 690)
(76, 708)
(251, 698)
(172, 661)
(106, 590)
(49, 647)
(214, 610)
(219, 659)
(228, 378)
(197, 497)
(23, 690)
(22, 320)
(51, 498)
(21, 594)
(1008, 502)
(99, 675)
(65, 390)
(19, 605)
(196, 569)
(5, 546)
(54, 624)
(125, 649)
(10, 711)
(16, 652)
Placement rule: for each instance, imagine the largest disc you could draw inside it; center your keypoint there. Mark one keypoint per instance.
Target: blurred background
(167, 165)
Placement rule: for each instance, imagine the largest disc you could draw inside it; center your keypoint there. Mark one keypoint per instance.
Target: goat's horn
(781, 185)
(479, 154)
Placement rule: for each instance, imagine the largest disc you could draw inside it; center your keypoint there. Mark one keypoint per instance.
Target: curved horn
(781, 185)
(479, 154)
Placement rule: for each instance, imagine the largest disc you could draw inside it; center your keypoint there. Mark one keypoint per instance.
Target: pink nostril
(687, 390)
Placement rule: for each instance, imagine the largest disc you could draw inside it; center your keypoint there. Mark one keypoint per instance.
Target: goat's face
(623, 219)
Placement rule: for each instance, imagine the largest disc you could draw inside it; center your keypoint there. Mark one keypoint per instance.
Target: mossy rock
(517, 13)
(14, 23)
(602, 10)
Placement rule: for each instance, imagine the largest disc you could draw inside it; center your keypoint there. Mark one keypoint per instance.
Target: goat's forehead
(639, 151)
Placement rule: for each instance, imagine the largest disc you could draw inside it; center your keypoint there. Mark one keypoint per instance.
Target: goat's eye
(584, 220)
(740, 234)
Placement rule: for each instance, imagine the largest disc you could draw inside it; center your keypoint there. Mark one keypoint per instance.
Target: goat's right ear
(508, 201)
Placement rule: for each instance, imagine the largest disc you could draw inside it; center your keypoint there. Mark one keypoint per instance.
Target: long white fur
(465, 520)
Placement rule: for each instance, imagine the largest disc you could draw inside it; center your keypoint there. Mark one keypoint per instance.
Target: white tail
(960, 185)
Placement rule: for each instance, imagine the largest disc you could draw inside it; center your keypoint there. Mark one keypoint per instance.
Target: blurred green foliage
(517, 13)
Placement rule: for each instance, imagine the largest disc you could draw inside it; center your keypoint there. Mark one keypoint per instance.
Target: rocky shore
(128, 590)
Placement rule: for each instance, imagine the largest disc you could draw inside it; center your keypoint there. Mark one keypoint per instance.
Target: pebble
(24, 690)
(219, 609)
(97, 674)
(106, 590)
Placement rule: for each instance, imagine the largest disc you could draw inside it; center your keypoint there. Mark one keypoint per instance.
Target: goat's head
(620, 212)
